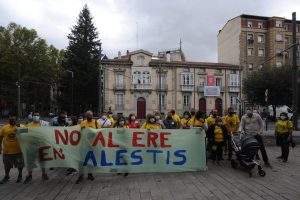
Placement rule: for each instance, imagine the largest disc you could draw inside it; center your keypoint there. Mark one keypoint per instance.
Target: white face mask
(122, 123)
(152, 120)
(282, 117)
(186, 116)
(157, 117)
(132, 117)
(36, 118)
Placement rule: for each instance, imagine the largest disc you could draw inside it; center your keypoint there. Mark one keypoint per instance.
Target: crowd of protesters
(218, 129)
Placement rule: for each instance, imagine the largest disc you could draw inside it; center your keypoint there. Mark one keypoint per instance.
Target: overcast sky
(159, 23)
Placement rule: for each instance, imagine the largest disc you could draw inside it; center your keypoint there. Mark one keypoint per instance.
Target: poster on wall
(212, 91)
(210, 80)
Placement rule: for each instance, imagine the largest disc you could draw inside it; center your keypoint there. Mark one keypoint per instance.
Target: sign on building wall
(211, 91)
(211, 80)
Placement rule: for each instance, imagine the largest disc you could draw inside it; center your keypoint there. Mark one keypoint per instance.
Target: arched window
(137, 77)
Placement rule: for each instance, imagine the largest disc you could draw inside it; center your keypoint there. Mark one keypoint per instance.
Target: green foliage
(82, 57)
(27, 58)
(278, 82)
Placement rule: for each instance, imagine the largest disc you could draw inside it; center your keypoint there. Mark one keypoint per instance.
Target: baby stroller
(246, 148)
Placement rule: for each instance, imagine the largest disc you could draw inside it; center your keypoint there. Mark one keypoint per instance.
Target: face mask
(157, 117)
(152, 120)
(282, 117)
(132, 117)
(36, 118)
(186, 116)
(121, 123)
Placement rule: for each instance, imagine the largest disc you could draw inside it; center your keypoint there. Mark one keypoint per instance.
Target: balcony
(164, 87)
(234, 88)
(141, 87)
(119, 87)
(187, 88)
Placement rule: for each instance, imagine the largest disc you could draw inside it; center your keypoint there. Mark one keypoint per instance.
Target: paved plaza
(282, 182)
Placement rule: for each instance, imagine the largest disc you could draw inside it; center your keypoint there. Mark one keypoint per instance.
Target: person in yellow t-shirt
(283, 130)
(198, 120)
(175, 117)
(217, 135)
(111, 118)
(232, 123)
(211, 119)
(193, 113)
(89, 122)
(186, 121)
(151, 123)
(36, 123)
(12, 154)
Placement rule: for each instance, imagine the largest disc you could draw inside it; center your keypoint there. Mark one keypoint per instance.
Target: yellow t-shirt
(33, 125)
(198, 122)
(176, 118)
(10, 142)
(111, 119)
(150, 126)
(283, 126)
(186, 122)
(219, 136)
(90, 124)
(210, 121)
(232, 123)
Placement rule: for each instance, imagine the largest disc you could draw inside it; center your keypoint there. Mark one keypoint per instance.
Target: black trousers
(283, 140)
(262, 148)
(217, 151)
(229, 147)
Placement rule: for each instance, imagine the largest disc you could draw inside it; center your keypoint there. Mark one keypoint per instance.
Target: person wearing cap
(186, 121)
(283, 130)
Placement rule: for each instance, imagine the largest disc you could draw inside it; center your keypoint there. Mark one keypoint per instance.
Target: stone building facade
(248, 41)
(141, 82)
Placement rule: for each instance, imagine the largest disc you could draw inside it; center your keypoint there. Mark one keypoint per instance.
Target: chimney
(168, 56)
(127, 52)
(119, 54)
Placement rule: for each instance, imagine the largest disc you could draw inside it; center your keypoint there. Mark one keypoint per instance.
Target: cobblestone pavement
(282, 182)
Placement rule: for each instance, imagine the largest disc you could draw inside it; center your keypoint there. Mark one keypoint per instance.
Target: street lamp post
(72, 101)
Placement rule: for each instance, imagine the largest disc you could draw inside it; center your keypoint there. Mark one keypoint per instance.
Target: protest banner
(114, 150)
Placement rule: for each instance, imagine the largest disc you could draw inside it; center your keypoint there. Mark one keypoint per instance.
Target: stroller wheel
(234, 165)
(262, 173)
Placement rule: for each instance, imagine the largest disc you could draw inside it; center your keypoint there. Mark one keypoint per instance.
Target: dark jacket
(170, 124)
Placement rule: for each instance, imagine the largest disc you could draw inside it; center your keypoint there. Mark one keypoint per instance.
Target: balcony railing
(233, 88)
(187, 88)
(141, 87)
(163, 87)
(119, 87)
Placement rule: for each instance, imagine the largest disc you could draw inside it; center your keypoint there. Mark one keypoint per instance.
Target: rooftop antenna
(180, 44)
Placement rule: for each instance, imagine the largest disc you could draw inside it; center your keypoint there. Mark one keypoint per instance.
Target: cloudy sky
(159, 24)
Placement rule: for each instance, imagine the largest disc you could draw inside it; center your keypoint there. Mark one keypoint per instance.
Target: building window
(261, 52)
(234, 80)
(186, 100)
(260, 25)
(279, 37)
(163, 81)
(119, 101)
(278, 23)
(119, 80)
(137, 78)
(187, 79)
(250, 66)
(218, 81)
(250, 38)
(250, 51)
(201, 70)
(278, 64)
(146, 78)
(286, 27)
(260, 39)
(202, 81)
(162, 100)
(249, 24)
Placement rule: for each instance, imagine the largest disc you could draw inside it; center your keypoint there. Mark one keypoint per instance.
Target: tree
(276, 82)
(27, 59)
(82, 57)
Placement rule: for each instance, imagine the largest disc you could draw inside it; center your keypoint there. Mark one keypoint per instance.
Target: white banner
(212, 91)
